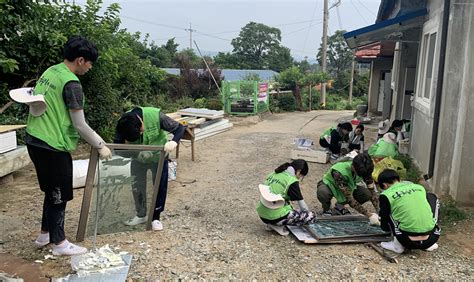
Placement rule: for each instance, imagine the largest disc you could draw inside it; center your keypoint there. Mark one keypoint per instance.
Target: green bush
(200, 103)
(287, 102)
(413, 172)
(450, 213)
(214, 104)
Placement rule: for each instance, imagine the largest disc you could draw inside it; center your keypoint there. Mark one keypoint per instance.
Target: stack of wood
(205, 122)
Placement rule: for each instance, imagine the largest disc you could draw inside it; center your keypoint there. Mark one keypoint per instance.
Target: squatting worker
(332, 138)
(342, 181)
(52, 135)
(148, 126)
(409, 213)
(283, 187)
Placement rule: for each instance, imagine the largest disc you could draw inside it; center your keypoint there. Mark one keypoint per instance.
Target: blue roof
(231, 74)
(381, 31)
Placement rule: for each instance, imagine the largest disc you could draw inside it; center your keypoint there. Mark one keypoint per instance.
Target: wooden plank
(198, 121)
(210, 114)
(87, 196)
(6, 128)
(211, 126)
(212, 133)
(174, 115)
(156, 187)
(388, 255)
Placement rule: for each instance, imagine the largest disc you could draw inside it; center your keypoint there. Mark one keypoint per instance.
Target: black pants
(353, 146)
(334, 148)
(403, 236)
(54, 173)
(324, 194)
(139, 171)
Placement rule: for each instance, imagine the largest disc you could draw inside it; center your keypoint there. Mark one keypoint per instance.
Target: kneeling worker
(409, 213)
(340, 182)
(281, 187)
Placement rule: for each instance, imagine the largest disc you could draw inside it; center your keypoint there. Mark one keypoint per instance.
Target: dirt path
(211, 227)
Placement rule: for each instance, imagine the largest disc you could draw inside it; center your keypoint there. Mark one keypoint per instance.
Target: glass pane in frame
(123, 189)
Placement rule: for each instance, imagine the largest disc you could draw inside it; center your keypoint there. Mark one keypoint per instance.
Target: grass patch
(450, 213)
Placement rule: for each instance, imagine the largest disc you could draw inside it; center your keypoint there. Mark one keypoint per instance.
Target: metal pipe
(439, 90)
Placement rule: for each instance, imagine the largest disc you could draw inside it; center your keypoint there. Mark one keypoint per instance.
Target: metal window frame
(91, 172)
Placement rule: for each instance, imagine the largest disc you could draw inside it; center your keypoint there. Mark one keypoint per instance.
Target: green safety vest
(153, 134)
(409, 207)
(383, 149)
(54, 127)
(327, 133)
(279, 184)
(345, 168)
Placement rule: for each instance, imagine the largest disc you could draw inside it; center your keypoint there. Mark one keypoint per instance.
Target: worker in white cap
(280, 188)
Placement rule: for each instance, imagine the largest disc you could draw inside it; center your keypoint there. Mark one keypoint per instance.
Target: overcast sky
(217, 22)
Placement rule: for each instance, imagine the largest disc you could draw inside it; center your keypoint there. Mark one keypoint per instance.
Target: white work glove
(170, 146)
(143, 156)
(105, 153)
(374, 219)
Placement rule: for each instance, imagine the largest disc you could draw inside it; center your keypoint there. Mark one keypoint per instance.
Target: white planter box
(7, 141)
(314, 156)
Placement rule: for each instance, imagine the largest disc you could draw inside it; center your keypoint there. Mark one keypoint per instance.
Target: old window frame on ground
(91, 173)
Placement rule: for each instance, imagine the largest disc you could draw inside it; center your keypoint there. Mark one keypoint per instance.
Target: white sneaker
(432, 248)
(68, 249)
(42, 240)
(156, 225)
(393, 246)
(135, 221)
(278, 229)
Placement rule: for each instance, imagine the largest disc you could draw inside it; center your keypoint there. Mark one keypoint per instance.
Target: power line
(360, 14)
(339, 18)
(363, 5)
(298, 30)
(154, 23)
(213, 36)
(312, 17)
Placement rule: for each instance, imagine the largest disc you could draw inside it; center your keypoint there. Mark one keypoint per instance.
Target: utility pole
(352, 81)
(190, 36)
(324, 50)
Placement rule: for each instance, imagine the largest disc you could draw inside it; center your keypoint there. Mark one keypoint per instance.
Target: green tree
(228, 61)
(32, 37)
(291, 79)
(339, 55)
(279, 59)
(187, 56)
(255, 42)
(162, 56)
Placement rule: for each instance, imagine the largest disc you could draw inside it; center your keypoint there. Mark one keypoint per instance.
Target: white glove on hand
(170, 146)
(143, 156)
(374, 219)
(105, 153)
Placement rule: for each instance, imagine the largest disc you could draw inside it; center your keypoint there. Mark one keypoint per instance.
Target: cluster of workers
(403, 208)
(57, 121)
(55, 124)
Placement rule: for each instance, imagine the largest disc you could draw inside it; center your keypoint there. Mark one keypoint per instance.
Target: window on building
(427, 66)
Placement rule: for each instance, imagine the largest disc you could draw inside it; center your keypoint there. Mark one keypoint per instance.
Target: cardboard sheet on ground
(340, 229)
